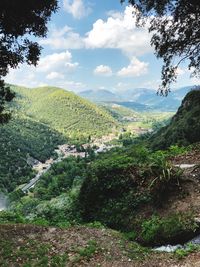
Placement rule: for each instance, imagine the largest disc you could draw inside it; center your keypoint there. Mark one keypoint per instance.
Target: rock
(168, 248)
(185, 166)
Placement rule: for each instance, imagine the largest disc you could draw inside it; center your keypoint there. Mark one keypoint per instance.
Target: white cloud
(152, 84)
(73, 86)
(76, 8)
(103, 70)
(52, 69)
(195, 81)
(63, 38)
(57, 61)
(136, 68)
(54, 75)
(119, 32)
(181, 71)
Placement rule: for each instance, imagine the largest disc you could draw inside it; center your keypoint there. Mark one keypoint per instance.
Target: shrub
(176, 228)
(11, 217)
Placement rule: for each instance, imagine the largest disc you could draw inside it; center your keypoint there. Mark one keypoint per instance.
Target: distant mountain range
(139, 99)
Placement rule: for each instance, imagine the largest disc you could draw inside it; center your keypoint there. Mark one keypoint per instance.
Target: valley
(37, 128)
(101, 174)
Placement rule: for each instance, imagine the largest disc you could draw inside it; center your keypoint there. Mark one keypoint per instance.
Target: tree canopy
(175, 28)
(20, 21)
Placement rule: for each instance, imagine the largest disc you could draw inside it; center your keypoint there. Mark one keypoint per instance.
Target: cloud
(54, 69)
(63, 38)
(73, 86)
(57, 61)
(103, 70)
(54, 75)
(136, 68)
(76, 8)
(119, 32)
(181, 71)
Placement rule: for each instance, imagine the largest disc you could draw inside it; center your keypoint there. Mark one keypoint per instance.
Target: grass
(184, 252)
(31, 253)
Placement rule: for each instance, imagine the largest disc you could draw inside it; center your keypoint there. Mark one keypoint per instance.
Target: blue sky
(95, 45)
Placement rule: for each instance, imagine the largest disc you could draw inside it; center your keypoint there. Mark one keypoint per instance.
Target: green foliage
(88, 251)
(157, 230)
(122, 182)
(95, 224)
(6, 95)
(53, 200)
(164, 173)
(21, 137)
(131, 236)
(184, 252)
(40, 222)
(60, 178)
(137, 252)
(31, 253)
(127, 138)
(10, 217)
(119, 112)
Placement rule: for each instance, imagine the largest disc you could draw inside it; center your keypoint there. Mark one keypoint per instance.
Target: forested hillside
(64, 111)
(20, 138)
(184, 128)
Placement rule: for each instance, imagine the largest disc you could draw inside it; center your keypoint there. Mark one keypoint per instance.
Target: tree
(20, 21)
(175, 25)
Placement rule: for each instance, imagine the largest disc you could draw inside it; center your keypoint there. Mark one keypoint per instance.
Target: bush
(177, 228)
(11, 217)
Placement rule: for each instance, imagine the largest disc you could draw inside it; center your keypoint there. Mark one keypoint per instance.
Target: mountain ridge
(141, 96)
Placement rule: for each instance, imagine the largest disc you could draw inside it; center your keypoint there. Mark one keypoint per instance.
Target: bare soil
(111, 250)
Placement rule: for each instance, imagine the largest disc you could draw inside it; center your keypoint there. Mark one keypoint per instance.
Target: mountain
(64, 111)
(133, 105)
(140, 99)
(120, 112)
(150, 98)
(184, 128)
(99, 95)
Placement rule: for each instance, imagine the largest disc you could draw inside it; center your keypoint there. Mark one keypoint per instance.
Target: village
(64, 151)
(98, 145)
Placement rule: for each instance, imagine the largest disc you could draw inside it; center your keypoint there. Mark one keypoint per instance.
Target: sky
(94, 44)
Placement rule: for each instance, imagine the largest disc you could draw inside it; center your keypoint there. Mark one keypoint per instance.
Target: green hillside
(120, 112)
(20, 138)
(184, 128)
(64, 111)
